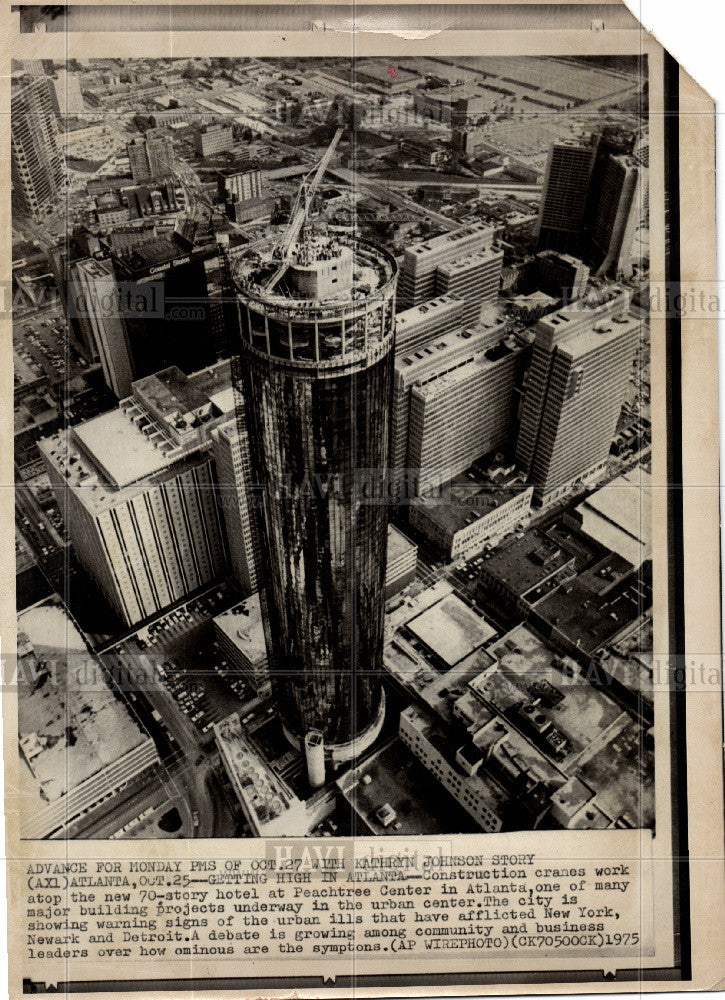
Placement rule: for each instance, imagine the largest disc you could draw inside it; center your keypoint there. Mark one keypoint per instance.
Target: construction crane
(201, 209)
(301, 210)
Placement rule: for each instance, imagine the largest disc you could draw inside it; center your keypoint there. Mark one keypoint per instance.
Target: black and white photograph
(332, 446)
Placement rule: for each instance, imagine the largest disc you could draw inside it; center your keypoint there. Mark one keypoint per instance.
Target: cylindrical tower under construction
(315, 368)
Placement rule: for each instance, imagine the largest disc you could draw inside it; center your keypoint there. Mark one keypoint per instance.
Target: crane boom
(301, 209)
(297, 221)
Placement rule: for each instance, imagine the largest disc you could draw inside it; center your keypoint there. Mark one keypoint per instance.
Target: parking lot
(203, 684)
(42, 344)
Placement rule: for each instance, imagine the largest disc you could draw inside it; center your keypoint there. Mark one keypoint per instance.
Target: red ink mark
(393, 72)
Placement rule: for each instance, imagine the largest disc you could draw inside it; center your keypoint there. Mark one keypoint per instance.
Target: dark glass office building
(315, 368)
(167, 314)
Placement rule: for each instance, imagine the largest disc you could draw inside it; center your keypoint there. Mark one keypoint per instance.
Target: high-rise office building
(425, 363)
(474, 278)
(242, 193)
(150, 156)
(591, 204)
(160, 153)
(573, 395)
(214, 138)
(36, 163)
(140, 314)
(417, 280)
(66, 92)
(138, 491)
(402, 562)
(168, 320)
(315, 369)
(465, 413)
(138, 160)
(562, 211)
(434, 318)
(561, 275)
(239, 185)
(581, 315)
(617, 216)
(95, 306)
(230, 447)
(62, 259)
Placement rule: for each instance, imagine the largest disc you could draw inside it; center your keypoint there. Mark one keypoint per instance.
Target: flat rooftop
(170, 392)
(484, 358)
(399, 779)
(467, 499)
(557, 255)
(537, 298)
(451, 629)
(242, 624)
(527, 669)
(448, 95)
(619, 515)
(447, 688)
(622, 774)
(398, 544)
(598, 306)
(145, 434)
(120, 449)
(70, 723)
(440, 350)
(633, 671)
(525, 562)
(448, 240)
(377, 70)
(599, 334)
(450, 268)
(612, 595)
(159, 250)
(427, 310)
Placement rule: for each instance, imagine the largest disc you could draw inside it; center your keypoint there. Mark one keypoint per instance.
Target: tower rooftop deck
(362, 270)
(329, 301)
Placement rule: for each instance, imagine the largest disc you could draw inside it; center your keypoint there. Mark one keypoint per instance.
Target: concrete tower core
(315, 369)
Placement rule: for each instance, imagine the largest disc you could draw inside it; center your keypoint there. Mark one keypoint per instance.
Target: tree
(142, 122)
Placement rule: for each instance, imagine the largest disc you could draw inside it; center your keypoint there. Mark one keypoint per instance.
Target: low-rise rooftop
(243, 625)
(468, 498)
(525, 563)
(451, 629)
(619, 515)
(70, 723)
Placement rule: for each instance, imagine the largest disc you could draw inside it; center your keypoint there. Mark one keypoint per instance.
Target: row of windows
(448, 778)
